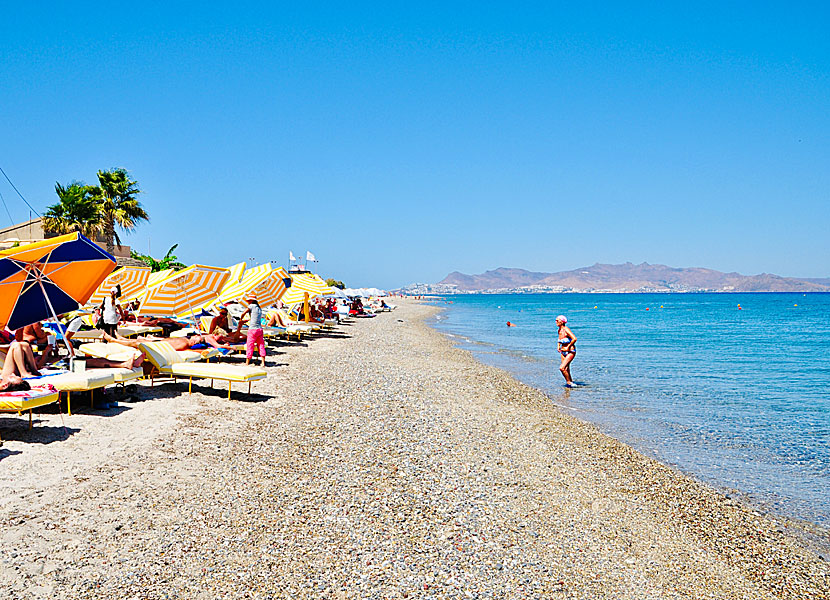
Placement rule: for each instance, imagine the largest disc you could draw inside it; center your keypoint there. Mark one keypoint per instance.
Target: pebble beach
(376, 461)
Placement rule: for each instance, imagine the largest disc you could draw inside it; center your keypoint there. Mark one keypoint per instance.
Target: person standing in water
(567, 349)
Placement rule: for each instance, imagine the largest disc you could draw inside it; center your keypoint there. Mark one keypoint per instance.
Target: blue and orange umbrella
(45, 279)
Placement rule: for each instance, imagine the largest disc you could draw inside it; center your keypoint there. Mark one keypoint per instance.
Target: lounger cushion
(114, 352)
(123, 375)
(161, 354)
(216, 371)
(77, 382)
(25, 400)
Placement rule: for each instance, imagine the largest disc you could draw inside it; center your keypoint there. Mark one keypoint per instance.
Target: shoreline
(382, 461)
(817, 536)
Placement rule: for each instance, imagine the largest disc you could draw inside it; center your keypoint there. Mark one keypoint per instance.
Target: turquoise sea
(733, 389)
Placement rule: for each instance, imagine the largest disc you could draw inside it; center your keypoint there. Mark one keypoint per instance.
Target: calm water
(738, 398)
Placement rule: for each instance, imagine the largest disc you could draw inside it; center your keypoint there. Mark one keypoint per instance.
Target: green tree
(118, 203)
(335, 283)
(76, 210)
(169, 261)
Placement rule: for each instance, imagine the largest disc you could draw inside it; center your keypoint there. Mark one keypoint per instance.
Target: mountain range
(629, 277)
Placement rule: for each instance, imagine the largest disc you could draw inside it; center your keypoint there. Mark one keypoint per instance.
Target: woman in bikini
(567, 349)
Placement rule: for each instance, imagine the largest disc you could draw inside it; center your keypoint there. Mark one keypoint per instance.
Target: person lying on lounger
(178, 343)
(35, 335)
(20, 363)
(220, 327)
(130, 318)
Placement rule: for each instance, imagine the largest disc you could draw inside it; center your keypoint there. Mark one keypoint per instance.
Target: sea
(731, 388)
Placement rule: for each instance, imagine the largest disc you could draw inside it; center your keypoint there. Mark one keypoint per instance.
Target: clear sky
(400, 142)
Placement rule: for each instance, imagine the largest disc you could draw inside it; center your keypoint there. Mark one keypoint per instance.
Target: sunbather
(35, 335)
(221, 328)
(20, 361)
(178, 343)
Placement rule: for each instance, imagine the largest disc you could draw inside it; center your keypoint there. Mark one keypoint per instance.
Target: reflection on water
(736, 396)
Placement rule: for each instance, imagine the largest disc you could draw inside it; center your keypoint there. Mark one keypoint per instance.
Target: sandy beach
(376, 462)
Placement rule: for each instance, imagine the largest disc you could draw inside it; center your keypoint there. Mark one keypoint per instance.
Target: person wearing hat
(255, 336)
(110, 312)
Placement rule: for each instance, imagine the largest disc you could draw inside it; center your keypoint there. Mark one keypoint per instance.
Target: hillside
(631, 277)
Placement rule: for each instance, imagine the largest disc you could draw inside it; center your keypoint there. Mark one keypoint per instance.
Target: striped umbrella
(133, 280)
(237, 271)
(249, 280)
(271, 289)
(264, 282)
(305, 283)
(158, 276)
(44, 279)
(184, 291)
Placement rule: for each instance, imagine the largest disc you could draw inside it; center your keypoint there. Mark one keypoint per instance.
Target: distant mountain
(629, 277)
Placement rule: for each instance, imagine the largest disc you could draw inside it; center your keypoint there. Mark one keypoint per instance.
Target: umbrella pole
(189, 305)
(52, 310)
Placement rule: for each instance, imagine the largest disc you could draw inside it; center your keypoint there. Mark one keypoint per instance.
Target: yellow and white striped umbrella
(237, 271)
(272, 288)
(303, 283)
(159, 276)
(133, 280)
(183, 292)
(237, 291)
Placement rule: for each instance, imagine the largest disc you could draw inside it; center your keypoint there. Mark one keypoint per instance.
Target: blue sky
(402, 142)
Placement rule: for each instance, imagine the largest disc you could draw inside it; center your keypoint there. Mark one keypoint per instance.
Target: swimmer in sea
(567, 349)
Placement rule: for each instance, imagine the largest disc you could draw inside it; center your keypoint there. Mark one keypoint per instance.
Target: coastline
(386, 462)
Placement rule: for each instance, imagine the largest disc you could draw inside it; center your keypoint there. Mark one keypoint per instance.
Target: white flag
(310, 257)
(291, 255)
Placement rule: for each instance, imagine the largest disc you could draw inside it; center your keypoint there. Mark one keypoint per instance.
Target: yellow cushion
(161, 354)
(216, 371)
(114, 352)
(9, 402)
(122, 375)
(77, 382)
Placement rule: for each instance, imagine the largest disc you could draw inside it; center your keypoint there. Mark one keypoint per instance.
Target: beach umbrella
(270, 289)
(132, 280)
(303, 287)
(236, 272)
(305, 283)
(235, 276)
(47, 278)
(236, 291)
(184, 291)
(157, 276)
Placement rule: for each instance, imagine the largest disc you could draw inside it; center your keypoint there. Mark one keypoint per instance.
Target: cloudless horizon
(399, 143)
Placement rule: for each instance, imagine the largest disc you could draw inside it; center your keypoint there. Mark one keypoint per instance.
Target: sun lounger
(166, 361)
(92, 335)
(120, 353)
(64, 381)
(22, 401)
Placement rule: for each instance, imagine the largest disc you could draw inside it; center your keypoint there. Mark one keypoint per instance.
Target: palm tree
(169, 261)
(77, 210)
(116, 195)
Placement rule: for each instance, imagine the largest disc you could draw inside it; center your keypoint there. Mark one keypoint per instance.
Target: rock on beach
(376, 462)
